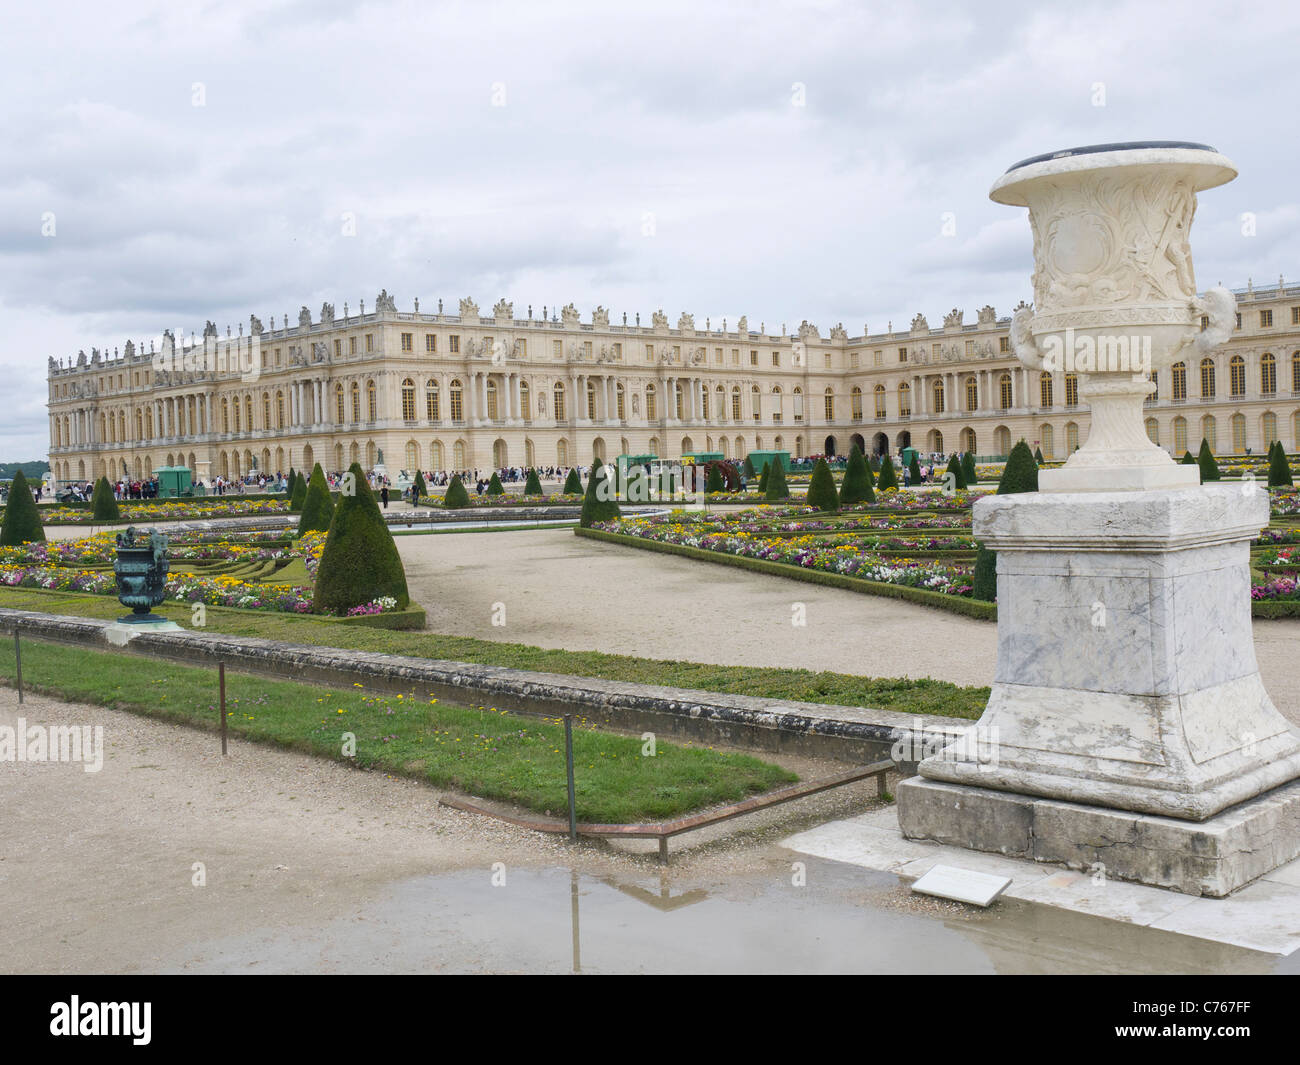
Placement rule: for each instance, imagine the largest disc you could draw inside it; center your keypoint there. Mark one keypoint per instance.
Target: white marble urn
(1115, 295)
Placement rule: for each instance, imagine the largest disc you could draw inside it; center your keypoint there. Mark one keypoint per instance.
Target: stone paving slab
(1263, 916)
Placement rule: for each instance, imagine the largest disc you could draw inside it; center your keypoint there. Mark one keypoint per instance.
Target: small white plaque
(962, 885)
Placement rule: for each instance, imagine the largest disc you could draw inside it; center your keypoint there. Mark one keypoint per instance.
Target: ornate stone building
(464, 391)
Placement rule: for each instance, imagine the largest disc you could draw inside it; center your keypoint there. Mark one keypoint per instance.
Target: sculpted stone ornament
(1115, 295)
(569, 315)
(659, 321)
(327, 314)
(468, 310)
(1128, 722)
(503, 310)
(920, 325)
(600, 318)
(304, 318)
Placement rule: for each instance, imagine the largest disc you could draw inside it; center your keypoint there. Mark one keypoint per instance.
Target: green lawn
(933, 698)
(478, 750)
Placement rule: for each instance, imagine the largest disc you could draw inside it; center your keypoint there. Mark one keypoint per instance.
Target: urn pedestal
(1127, 729)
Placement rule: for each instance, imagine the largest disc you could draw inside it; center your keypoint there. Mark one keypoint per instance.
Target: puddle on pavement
(844, 920)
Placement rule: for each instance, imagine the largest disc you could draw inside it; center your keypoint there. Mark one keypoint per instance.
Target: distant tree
(914, 469)
(298, 495)
(1205, 459)
(958, 474)
(749, 469)
(1188, 459)
(1279, 469)
(455, 498)
(715, 483)
(103, 503)
(763, 478)
(572, 483)
(495, 488)
(360, 562)
(857, 480)
(822, 493)
(1038, 455)
(776, 486)
(317, 504)
(533, 485)
(600, 503)
(968, 469)
(887, 478)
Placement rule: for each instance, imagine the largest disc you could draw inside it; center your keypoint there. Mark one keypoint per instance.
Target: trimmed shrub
(822, 493)
(1279, 469)
(360, 562)
(289, 483)
(495, 488)
(600, 503)
(888, 478)
(914, 470)
(22, 522)
(1188, 459)
(727, 471)
(533, 484)
(1205, 459)
(857, 480)
(984, 581)
(958, 474)
(103, 503)
(776, 486)
(418, 488)
(749, 469)
(762, 480)
(298, 495)
(968, 468)
(456, 496)
(317, 503)
(714, 483)
(573, 484)
(1038, 455)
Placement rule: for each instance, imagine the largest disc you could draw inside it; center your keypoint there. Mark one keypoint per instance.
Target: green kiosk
(174, 482)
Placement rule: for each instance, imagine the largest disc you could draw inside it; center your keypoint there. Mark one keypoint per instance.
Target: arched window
(904, 400)
(562, 452)
(1239, 432)
(435, 455)
(1071, 390)
(720, 398)
(735, 401)
(408, 405)
(1071, 438)
(1047, 441)
(412, 451)
(266, 411)
(525, 394)
(828, 400)
(1004, 391)
(879, 394)
(148, 418)
(968, 440)
(1207, 378)
(972, 394)
(456, 403)
(432, 402)
(279, 410)
(938, 392)
(372, 402)
(1153, 430)
(458, 455)
(1267, 374)
(1002, 440)
(704, 401)
(1210, 432)
(756, 402)
(855, 404)
(1045, 392)
(340, 412)
(559, 403)
(1295, 374)
(225, 416)
(356, 402)
(1180, 435)
(777, 409)
(1237, 376)
(677, 400)
(1268, 428)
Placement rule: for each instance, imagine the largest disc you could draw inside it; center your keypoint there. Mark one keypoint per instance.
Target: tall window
(591, 400)
(248, 414)
(1046, 440)
(1045, 392)
(372, 402)
(704, 400)
(619, 397)
(828, 401)
(798, 403)
(1267, 374)
(1268, 423)
(937, 389)
(904, 400)
(524, 394)
(1179, 370)
(356, 402)
(1071, 390)
(650, 403)
(1004, 391)
(408, 400)
(559, 402)
(855, 404)
(1210, 430)
(1237, 376)
(492, 406)
(1238, 434)
(432, 403)
(266, 410)
(756, 402)
(1180, 434)
(340, 412)
(279, 410)
(777, 410)
(1153, 430)
(456, 396)
(879, 394)
(1295, 372)
(1071, 438)
(972, 394)
(735, 403)
(1207, 378)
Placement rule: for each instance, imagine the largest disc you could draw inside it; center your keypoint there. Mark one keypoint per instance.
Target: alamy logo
(1068, 353)
(102, 1018)
(53, 743)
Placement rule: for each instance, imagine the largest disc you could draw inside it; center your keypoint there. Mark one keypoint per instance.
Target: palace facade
(464, 391)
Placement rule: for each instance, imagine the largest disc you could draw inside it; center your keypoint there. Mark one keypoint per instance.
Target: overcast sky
(779, 160)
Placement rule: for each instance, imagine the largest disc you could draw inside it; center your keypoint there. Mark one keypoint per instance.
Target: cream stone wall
(483, 392)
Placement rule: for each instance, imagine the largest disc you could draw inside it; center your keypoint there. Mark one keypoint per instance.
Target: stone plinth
(1213, 857)
(1126, 673)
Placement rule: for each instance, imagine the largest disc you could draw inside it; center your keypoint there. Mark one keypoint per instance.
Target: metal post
(18, 664)
(221, 674)
(568, 758)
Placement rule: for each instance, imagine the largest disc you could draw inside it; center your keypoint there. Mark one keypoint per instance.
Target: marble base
(120, 633)
(1126, 673)
(1119, 478)
(1213, 858)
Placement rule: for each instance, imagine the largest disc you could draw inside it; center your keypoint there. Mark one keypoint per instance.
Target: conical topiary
(958, 474)
(418, 488)
(456, 496)
(822, 493)
(762, 477)
(600, 503)
(1188, 459)
(715, 483)
(776, 486)
(22, 521)
(968, 469)
(317, 504)
(887, 478)
(1279, 469)
(1038, 455)
(533, 483)
(573, 483)
(1019, 475)
(289, 482)
(495, 487)
(857, 480)
(914, 469)
(298, 496)
(749, 469)
(1205, 459)
(103, 503)
(360, 562)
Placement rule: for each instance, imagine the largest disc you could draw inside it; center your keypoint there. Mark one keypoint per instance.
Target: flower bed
(508, 500)
(181, 510)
